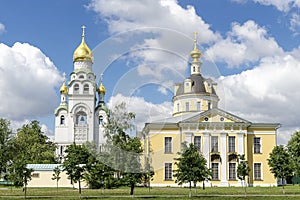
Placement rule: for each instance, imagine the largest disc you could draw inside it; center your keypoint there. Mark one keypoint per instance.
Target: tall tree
(280, 164)
(5, 145)
(30, 145)
(124, 151)
(75, 163)
(191, 167)
(243, 170)
(293, 147)
(56, 176)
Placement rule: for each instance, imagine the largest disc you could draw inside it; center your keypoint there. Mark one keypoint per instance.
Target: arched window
(86, 88)
(81, 77)
(62, 120)
(100, 120)
(81, 118)
(76, 89)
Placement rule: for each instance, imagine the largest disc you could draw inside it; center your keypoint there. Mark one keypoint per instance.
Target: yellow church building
(219, 135)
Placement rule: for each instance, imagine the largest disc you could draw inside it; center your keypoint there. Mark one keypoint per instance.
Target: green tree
(191, 167)
(97, 174)
(56, 176)
(243, 170)
(293, 147)
(124, 151)
(30, 145)
(280, 163)
(5, 145)
(75, 162)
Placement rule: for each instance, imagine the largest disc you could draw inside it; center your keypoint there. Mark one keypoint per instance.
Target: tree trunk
(131, 189)
(190, 194)
(203, 186)
(79, 184)
(283, 192)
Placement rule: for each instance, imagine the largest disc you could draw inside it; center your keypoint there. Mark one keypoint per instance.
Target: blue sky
(250, 47)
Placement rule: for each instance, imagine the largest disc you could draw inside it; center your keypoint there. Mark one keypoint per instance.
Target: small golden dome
(101, 89)
(63, 89)
(195, 53)
(83, 52)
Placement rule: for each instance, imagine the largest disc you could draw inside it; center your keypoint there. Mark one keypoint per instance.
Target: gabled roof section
(215, 115)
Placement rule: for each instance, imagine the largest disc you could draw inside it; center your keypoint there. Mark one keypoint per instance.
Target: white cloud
(2, 28)
(295, 23)
(245, 44)
(27, 82)
(267, 93)
(167, 33)
(144, 111)
(281, 5)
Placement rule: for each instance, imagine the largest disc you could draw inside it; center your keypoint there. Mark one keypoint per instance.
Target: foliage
(97, 174)
(56, 176)
(243, 169)
(293, 147)
(29, 146)
(280, 163)
(124, 151)
(75, 161)
(5, 145)
(191, 167)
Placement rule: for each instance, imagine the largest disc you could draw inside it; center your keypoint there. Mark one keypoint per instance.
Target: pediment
(215, 115)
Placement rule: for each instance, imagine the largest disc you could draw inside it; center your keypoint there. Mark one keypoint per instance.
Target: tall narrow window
(215, 171)
(86, 88)
(257, 171)
(214, 144)
(168, 144)
(62, 120)
(231, 144)
(197, 142)
(187, 106)
(100, 120)
(198, 106)
(257, 144)
(178, 107)
(232, 171)
(208, 105)
(168, 171)
(76, 89)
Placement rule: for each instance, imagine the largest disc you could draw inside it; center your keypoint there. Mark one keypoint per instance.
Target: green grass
(218, 193)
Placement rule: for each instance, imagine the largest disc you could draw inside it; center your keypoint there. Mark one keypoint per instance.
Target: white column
(241, 141)
(206, 147)
(241, 147)
(223, 152)
(188, 138)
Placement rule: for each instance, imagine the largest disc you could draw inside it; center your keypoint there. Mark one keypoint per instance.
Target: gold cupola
(83, 52)
(195, 53)
(101, 89)
(63, 89)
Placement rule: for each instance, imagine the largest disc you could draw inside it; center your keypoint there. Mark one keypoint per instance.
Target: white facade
(79, 118)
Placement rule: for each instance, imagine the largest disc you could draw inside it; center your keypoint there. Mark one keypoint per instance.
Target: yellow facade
(219, 135)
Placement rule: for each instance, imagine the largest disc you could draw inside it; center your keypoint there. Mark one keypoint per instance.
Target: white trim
(164, 177)
(261, 133)
(261, 171)
(164, 133)
(260, 142)
(165, 145)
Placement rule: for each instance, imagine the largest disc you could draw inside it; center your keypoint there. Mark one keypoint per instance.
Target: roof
(43, 167)
(197, 85)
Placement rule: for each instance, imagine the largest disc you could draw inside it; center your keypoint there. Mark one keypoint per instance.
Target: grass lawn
(219, 193)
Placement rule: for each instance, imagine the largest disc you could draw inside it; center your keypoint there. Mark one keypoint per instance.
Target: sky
(251, 48)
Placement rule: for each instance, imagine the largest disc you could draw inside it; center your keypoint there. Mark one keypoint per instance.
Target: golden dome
(63, 89)
(101, 89)
(83, 52)
(195, 53)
